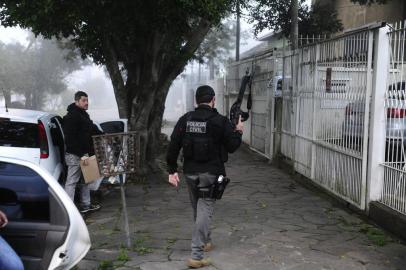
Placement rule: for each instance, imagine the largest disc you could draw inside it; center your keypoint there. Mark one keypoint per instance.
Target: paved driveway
(265, 221)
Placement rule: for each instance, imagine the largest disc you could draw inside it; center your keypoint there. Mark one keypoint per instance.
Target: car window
(113, 126)
(56, 133)
(397, 91)
(24, 194)
(18, 134)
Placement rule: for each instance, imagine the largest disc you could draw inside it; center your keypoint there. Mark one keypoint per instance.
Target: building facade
(354, 15)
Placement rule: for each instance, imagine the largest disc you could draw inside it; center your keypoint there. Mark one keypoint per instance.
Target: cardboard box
(90, 169)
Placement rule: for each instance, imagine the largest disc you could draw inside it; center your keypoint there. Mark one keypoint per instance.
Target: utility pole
(294, 31)
(237, 42)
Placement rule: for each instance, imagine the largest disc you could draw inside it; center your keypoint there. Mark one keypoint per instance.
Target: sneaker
(208, 247)
(89, 208)
(198, 263)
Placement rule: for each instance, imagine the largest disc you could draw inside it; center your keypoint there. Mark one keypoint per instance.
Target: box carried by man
(90, 169)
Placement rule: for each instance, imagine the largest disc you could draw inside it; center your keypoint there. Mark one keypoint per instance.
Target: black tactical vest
(198, 142)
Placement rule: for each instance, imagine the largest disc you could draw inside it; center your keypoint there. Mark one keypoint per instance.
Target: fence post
(377, 132)
(269, 110)
(367, 109)
(314, 123)
(298, 68)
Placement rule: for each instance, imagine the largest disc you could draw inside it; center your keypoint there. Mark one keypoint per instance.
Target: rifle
(235, 111)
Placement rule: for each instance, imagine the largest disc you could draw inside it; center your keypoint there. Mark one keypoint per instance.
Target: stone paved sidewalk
(265, 221)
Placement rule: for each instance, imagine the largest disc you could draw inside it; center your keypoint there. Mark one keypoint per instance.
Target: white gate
(306, 110)
(342, 100)
(261, 123)
(258, 129)
(326, 102)
(289, 94)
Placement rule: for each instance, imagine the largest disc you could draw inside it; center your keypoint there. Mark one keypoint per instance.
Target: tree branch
(112, 66)
(173, 68)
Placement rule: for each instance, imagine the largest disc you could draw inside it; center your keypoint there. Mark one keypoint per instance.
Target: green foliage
(320, 19)
(140, 248)
(123, 256)
(130, 24)
(105, 265)
(377, 236)
(218, 43)
(143, 250)
(37, 70)
(216, 48)
(170, 242)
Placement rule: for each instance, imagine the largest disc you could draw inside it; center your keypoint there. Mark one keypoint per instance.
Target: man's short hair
(204, 94)
(79, 94)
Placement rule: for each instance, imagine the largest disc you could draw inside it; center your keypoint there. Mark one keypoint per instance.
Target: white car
(45, 228)
(34, 136)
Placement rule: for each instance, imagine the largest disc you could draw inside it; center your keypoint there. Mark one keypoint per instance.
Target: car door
(45, 228)
(58, 144)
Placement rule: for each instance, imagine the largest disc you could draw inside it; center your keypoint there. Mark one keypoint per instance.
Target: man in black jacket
(206, 138)
(78, 130)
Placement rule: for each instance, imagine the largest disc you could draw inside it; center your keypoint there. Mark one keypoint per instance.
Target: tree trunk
(37, 101)
(155, 126)
(146, 118)
(28, 100)
(7, 98)
(141, 106)
(141, 94)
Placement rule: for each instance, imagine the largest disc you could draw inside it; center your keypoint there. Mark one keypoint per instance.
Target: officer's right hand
(174, 179)
(240, 126)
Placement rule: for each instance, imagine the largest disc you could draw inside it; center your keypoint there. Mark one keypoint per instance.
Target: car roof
(23, 115)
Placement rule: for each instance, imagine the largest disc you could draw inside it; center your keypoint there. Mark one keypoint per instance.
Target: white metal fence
(324, 116)
(393, 190)
(289, 95)
(343, 117)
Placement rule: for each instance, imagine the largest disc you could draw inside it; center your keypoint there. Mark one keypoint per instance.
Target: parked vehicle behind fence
(353, 126)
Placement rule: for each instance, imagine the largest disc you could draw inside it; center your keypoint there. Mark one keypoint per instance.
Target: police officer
(206, 138)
